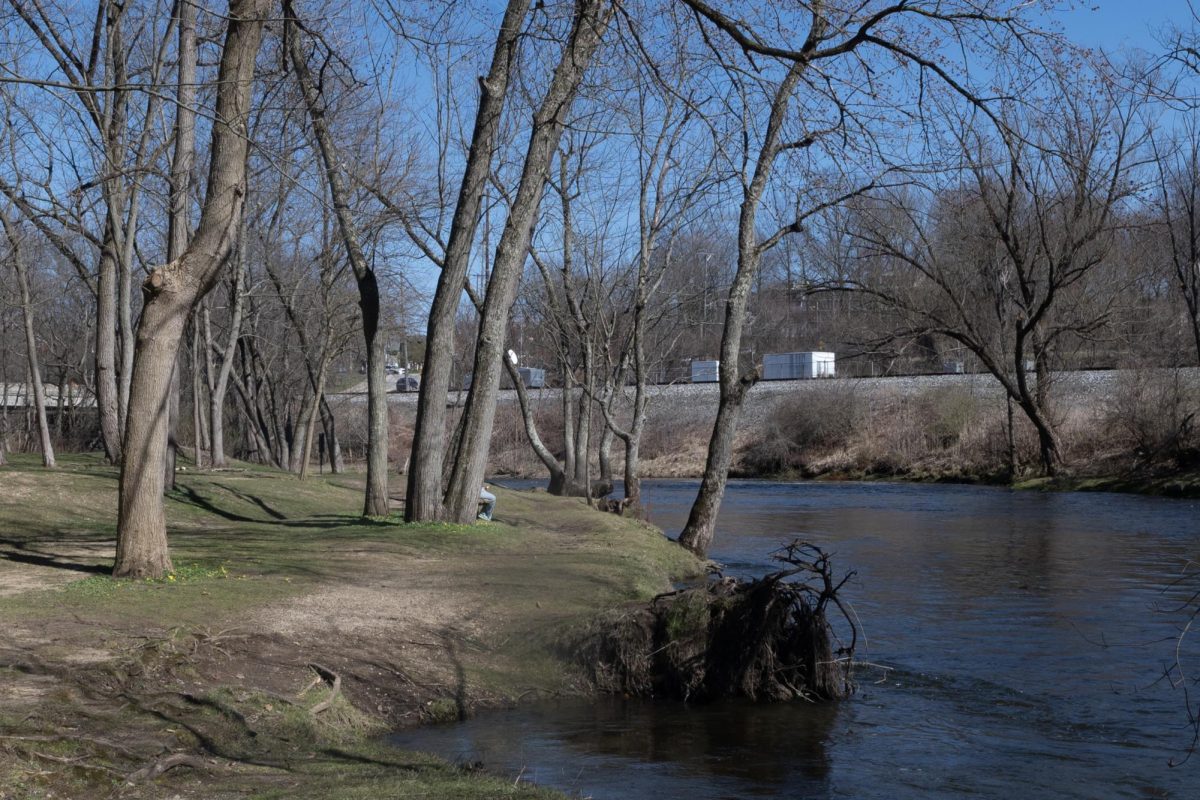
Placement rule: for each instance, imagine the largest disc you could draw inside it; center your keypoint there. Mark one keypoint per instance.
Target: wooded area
(603, 189)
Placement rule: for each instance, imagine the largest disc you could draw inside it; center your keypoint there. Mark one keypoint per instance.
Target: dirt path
(291, 633)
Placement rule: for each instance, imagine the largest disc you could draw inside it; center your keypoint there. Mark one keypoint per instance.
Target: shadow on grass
(22, 556)
(186, 495)
(257, 501)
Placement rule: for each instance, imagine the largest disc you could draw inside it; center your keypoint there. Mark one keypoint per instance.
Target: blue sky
(1118, 24)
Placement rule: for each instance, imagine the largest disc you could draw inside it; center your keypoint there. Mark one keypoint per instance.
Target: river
(1020, 640)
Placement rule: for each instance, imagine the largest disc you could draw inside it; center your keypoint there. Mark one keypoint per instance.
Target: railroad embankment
(1131, 430)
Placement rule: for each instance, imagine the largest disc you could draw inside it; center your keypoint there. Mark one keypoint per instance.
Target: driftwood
(766, 639)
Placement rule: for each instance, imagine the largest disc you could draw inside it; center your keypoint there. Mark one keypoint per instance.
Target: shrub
(803, 425)
(1154, 414)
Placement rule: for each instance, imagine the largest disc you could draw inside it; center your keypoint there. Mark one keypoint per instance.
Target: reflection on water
(664, 750)
(1023, 635)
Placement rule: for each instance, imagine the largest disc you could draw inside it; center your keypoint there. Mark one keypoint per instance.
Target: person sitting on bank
(489, 504)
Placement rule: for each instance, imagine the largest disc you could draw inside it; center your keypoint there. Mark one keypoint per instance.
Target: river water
(1021, 640)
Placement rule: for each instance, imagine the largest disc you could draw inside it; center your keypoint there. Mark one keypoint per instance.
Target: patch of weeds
(195, 572)
(687, 618)
(437, 527)
(106, 585)
(444, 709)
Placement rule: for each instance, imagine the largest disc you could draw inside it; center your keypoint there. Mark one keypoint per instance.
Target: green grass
(252, 538)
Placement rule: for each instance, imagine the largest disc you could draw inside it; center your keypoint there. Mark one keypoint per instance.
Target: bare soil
(288, 637)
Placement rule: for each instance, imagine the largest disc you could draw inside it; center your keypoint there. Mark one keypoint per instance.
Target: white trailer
(533, 377)
(706, 371)
(796, 366)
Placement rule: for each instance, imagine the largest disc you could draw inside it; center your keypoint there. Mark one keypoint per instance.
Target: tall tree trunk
(114, 132)
(172, 291)
(697, 534)
(35, 370)
(633, 481)
(106, 354)
(334, 447)
(314, 414)
(633, 442)
(125, 332)
(424, 491)
(568, 413)
(308, 407)
(1011, 437)
(591, 20)
(256, 427)
(1035, 400)
(199, 426)
(375, 501)
(180, 185)
(221, 388)
(60, 405)
(583, 416)
(558, 477)
(1048, 444)
(604, 455)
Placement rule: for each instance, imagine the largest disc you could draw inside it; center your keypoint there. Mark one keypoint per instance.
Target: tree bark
(591, 20)
(557, 474)
(375, 501)
(179, 187)
(424, 491)
(333, 446)
(697, 534)
(220, 389)
(106, 354)
(200, 438)
(172, 291)
(313, 415)
(31, 348)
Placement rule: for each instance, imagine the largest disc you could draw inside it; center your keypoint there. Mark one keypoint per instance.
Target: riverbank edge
(1184, 485)
(1179, 485)
(246, 739)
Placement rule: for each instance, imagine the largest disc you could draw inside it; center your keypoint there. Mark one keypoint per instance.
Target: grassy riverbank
(106, 680)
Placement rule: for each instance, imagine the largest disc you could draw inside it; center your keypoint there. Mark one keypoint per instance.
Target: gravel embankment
(691, 400)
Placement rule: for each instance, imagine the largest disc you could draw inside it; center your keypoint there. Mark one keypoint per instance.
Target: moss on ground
(273, 575)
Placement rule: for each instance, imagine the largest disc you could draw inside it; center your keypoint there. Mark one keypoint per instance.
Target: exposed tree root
(335, 682)
(766, 639)
(152, 771)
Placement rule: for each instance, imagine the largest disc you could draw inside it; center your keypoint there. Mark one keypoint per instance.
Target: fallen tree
(767, 639)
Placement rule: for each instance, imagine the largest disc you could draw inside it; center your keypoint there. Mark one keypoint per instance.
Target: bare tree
(172, 292)
(1178, 206)
(17, 258)
(588, 24)
(375, 502)
(838, 46)
(179, 182)
(218, 378)
(1002, 263)
(97, 68)
(424, 500)
(670, 187)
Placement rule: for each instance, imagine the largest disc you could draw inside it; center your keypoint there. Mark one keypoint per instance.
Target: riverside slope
(214, 675)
